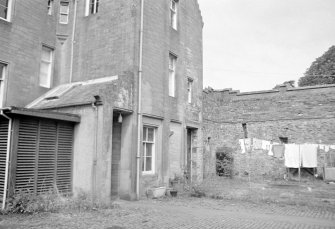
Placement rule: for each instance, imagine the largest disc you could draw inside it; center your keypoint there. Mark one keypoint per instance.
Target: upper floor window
(46, 67)
(64, 11)
(50, 6)
(172, 74)
(189, 90)
(92, 7)
(173, 13)
(148, 163)
(5, 9)
(3, 70)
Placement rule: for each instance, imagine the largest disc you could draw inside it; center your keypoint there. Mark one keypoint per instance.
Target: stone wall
(302, 115)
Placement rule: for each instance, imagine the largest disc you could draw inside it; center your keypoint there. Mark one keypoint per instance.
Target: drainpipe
(139, 112)
(95, 154)
(7, 158)
(72, 40)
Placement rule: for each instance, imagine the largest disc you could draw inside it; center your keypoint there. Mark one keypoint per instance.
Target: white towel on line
(308, 154)
(292, 156)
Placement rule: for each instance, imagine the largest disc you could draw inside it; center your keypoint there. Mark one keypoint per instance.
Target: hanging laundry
(242, 145)
(278, 150)
(332, 146)
(270, 153)
(292, 156)
(326, 149)
(308, 154)
(266, 145)
(256, 143)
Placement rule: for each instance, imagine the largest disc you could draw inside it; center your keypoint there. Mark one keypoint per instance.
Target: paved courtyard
(183, 213)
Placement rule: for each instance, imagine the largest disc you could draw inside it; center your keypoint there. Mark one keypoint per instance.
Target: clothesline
(295, 155)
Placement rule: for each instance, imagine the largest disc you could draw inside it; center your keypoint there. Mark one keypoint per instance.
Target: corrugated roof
(79, 93)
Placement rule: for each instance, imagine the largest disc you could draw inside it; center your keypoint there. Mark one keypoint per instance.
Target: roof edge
(41, 114)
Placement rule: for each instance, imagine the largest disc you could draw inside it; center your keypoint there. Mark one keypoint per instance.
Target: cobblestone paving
(183, 213)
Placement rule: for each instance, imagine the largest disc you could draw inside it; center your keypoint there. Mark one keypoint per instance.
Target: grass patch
(27, 202)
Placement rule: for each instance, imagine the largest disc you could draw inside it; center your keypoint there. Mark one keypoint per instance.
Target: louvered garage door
(44, 156)
(3, 152)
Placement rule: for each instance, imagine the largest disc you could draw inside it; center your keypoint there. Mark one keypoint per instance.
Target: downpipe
(7, 158)
(139, 112)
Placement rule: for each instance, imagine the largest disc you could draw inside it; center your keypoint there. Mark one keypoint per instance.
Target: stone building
(125, 75)
(287, 115)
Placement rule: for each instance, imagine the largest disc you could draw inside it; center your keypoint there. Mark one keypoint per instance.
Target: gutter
(7, 158)
(139, 112)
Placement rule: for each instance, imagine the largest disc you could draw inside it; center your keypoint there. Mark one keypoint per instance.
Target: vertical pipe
(139, 112)
(95, 155)
(7, 159)
(72, 40)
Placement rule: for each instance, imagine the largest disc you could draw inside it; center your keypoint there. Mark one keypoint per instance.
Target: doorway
(116, 153)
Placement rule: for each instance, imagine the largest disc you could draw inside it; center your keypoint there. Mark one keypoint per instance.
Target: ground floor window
(148, 162)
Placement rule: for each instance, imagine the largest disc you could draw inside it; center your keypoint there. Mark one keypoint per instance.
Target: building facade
(137, 68)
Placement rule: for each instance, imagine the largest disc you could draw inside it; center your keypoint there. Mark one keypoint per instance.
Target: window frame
(172, 74)
(3, 76)
(66, 14)
(9, 11)
(89, 10)
(145, 142)
(189, 90)
(174, 14)
(50, 63)
(50, 7)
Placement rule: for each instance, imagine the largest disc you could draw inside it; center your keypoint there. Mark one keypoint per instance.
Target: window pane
(97, 6)
(2, 71)
(171, 83)
(149, 147)
(3, 12)
(64, 8)
(143, 162)
(151, 134)
(44, 74)
(148, 166)
(63, 19)
(46, 54)
(144, 134)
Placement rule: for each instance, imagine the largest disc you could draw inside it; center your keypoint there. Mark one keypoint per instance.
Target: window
(283, 140)
(172, 74)
(173, 13)
(50, 6)
(189, 90)
(5, 9)
(46, 67)
(92, 7)
(3, 69)
(64, 12)
(148, 164)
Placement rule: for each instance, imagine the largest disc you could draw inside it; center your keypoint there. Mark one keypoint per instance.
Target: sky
(252, 45)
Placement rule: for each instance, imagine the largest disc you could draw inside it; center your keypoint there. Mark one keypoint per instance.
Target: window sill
(5, 20)
(148, 173)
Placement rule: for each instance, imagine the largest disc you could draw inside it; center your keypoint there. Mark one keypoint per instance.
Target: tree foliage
(322, 70)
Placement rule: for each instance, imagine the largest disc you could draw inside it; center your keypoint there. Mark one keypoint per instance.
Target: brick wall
(303, 115)
(21, 46)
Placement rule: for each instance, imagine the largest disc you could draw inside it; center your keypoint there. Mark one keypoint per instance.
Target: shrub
(27, 202)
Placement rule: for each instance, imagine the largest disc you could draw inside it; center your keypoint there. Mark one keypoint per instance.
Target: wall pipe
(95, 155)
(139, 112)
(72, 40)
(7, 158)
